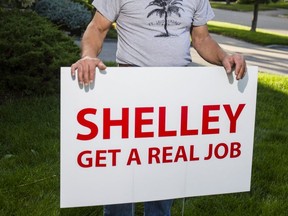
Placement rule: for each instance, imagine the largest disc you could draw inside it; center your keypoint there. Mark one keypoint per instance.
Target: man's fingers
(238, 71)
(228, 64)
(86, 69)
(80, 75)
(86, 74)
(73, 69)
(228, 68)
(91, 74)
(240, 68)
(242, 72)
(237, 63)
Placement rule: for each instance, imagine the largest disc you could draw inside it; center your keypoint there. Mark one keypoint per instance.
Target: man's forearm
(91, 45)
(206, 46)
(92, 41)
(209, 50)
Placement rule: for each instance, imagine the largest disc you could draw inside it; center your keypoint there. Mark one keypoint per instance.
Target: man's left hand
(235, 62)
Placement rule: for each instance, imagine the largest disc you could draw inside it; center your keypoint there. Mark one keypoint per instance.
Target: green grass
(29, 160)
(241, 32)
(248, 7)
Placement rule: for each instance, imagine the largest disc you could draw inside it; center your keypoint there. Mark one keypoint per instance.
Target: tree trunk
(255, 16)
(228, 2)
(165, 24)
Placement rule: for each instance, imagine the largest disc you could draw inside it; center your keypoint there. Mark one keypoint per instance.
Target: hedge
(32, 52)
(69, 15)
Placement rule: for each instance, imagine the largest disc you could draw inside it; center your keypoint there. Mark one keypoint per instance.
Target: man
(152, 33)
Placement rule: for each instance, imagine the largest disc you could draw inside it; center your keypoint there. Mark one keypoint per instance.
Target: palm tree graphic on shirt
(165, 8)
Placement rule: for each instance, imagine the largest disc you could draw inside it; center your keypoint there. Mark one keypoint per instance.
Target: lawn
(241, 32)
(29, 160)
(248, 7)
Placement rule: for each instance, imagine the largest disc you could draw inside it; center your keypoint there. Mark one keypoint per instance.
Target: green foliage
(29, 157)
(17, 3)
(32, 52)
(72, 16)
(26, 3)
(86, 3)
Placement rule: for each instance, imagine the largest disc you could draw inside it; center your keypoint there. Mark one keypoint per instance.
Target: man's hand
(235, 62)
(91, 45)
(86, 67)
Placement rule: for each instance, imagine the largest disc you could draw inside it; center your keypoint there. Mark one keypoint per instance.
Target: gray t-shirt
(154, 33)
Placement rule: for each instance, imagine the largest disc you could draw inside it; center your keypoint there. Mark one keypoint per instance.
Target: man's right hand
(86, 68)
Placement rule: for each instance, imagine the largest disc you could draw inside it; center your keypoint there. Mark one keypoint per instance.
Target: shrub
(32, 51)
(87, 4)
(26, 3)
(17, 3)
(70, 15)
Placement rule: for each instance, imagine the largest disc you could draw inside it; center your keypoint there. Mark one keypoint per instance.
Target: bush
(26, 3)
(32, 51)
(17, 3)
(87, 4)
(72, 16)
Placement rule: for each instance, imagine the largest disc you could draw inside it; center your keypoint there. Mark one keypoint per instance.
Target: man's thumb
(227, 66)
(101, 66)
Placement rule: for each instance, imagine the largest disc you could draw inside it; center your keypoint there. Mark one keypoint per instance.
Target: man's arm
(91, 46)
(210, 50)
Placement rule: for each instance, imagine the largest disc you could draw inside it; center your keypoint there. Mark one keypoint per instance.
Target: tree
(255, 16)
(167, 7)
(255, 12)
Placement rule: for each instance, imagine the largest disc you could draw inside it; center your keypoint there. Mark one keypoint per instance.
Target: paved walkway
(272, 59)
